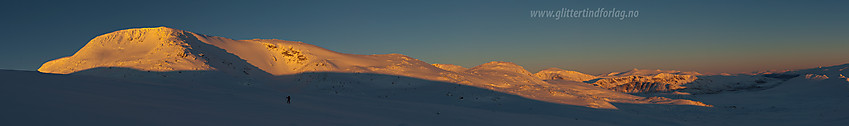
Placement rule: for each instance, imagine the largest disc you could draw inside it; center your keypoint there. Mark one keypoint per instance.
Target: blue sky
(705, 36)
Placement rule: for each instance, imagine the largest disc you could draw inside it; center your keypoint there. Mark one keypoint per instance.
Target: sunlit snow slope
(165, 49)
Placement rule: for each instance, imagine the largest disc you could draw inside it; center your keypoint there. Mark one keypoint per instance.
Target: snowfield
(165, 76)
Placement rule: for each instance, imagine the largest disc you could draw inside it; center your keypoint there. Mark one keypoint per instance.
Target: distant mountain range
(164, 49)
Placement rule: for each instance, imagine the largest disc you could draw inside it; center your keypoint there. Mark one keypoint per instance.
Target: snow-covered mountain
(164, 50)
(660, 82)
(632, 81)
(643, 72)
(560, 74)
(166, 76)
(146, 49)
(823, 73)
(762, 81)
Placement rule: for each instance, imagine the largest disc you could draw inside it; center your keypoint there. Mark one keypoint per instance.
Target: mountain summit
(146, 49)
(163, 49)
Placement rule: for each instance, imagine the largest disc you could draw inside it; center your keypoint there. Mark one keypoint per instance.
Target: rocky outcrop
(646, 84)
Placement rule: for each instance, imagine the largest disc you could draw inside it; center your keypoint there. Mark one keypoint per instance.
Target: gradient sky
(705, 36)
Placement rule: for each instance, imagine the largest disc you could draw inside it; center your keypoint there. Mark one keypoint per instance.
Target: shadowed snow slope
(788, 98)
(32, 98)
(163, 50)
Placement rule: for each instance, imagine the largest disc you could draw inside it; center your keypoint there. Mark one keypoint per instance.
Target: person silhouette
(288, 100)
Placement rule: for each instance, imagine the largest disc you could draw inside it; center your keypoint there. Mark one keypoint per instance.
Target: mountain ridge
(165, 49)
